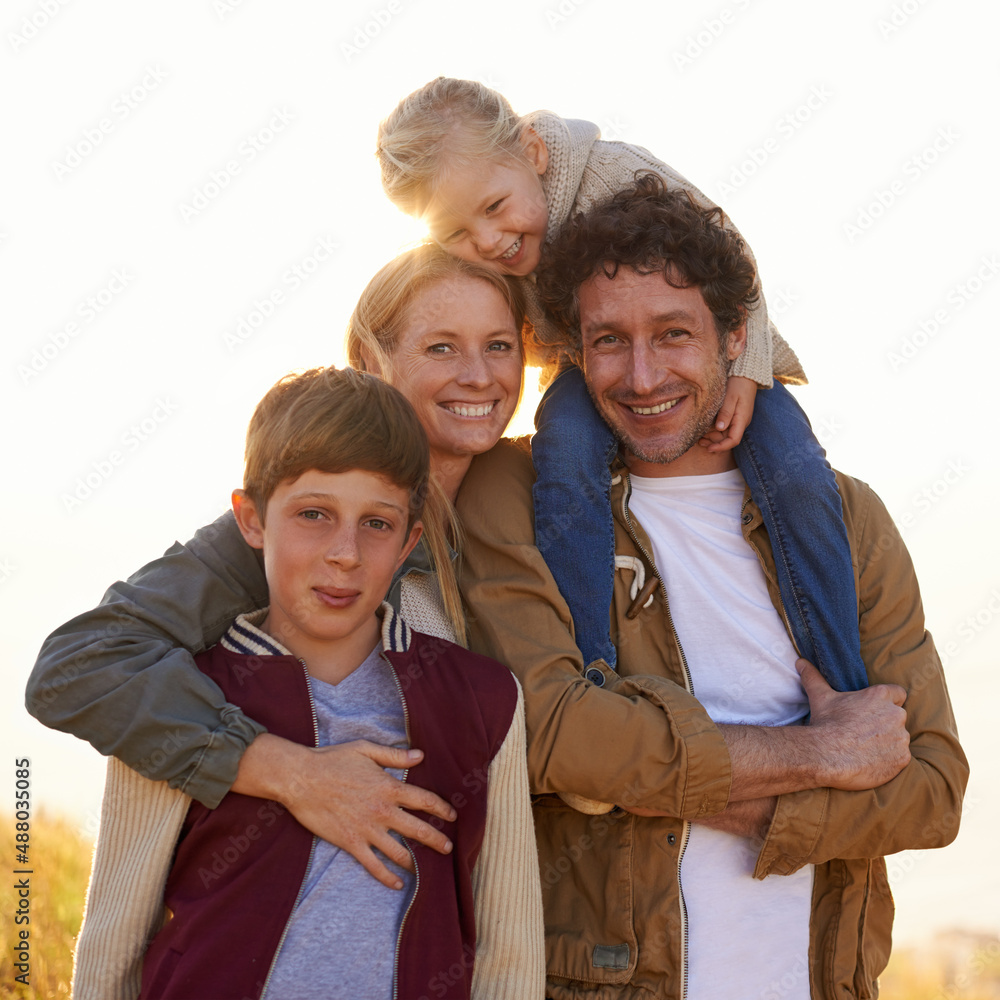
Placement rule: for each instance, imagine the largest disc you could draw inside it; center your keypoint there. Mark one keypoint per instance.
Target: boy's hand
(735, 414)
(342, 794)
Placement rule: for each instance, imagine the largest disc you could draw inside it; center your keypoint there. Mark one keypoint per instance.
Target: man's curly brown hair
(649, 229)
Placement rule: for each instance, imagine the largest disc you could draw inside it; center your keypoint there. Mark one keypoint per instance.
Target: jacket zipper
(312, 849)
(689, 685)
(416, 870)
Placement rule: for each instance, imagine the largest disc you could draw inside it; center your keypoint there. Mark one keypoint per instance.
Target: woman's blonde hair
(373, 333)
(447, 121)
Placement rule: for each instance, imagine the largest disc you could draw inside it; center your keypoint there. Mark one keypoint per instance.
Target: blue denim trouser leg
(572, 451)
(792, 483)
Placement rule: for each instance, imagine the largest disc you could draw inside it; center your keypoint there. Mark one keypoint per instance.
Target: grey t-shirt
(341, 938)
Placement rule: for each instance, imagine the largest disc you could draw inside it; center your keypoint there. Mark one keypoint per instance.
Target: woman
(447, 334)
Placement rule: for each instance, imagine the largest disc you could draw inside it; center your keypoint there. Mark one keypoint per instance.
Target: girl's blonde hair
(447, 121)
(373, 333)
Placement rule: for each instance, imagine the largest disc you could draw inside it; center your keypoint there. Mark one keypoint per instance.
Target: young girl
(493, 187)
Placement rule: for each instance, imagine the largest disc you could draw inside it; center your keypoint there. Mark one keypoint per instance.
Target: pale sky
(175, 172)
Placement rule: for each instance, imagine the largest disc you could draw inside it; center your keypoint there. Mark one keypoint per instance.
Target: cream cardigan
(141, 822)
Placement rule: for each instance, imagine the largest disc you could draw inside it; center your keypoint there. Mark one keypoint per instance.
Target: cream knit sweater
(584, 171)
(141, 821)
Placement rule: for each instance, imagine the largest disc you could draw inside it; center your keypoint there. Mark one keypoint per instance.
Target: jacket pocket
(587, 891)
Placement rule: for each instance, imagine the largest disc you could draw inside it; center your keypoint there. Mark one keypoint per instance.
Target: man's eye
(607, 339)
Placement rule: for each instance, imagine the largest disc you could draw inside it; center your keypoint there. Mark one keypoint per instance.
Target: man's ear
(415, 532)
(736, 341)
(535, 151)
(250, 523)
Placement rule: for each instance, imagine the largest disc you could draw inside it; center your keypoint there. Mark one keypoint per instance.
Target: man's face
(656, 369)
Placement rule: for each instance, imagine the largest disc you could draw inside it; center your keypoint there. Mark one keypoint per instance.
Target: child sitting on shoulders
(241, 901)
(493, 187)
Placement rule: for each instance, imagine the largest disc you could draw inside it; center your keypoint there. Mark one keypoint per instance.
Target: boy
(337, 467)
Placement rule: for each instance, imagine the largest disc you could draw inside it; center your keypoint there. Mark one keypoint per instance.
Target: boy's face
(495, 212)
(331, 543)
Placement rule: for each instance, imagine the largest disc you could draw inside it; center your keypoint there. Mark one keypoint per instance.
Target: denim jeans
(789, 478)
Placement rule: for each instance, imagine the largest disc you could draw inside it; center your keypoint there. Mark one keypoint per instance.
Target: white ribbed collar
(245, 636)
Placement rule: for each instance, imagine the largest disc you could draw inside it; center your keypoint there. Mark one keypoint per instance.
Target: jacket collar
(246, 637)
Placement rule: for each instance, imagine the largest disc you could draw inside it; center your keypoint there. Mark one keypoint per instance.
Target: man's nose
(647, 372)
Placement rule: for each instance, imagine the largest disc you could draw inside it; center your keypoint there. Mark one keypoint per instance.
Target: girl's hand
(735, 414)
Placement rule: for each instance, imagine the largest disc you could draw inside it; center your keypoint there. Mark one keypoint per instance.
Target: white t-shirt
(746, 938)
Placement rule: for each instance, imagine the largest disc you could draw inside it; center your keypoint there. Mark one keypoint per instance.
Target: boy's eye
(311, 515)
(454, 237)
(378, 524)
(495, 205)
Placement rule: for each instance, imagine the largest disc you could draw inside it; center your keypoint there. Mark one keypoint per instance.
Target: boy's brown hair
(335, 420)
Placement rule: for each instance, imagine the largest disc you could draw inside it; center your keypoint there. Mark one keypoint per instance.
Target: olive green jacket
(615, 923)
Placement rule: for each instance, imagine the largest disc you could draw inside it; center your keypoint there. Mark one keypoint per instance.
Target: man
(743, 854)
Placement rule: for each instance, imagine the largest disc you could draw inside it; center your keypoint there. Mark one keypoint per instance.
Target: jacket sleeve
(122, 676)
(140, 824)
(510, 936)
(921, 806)
(646, 740)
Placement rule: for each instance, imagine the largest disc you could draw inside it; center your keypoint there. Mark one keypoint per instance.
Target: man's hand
(734, 415)
(863, 732)
(342, 794)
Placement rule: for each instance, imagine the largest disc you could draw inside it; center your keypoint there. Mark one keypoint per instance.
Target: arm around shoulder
(122, 676)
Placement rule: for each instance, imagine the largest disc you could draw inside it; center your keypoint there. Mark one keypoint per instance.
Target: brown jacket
(615, 925)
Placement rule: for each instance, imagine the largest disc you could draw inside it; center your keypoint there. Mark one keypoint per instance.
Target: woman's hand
(734, 415)
(343, 794)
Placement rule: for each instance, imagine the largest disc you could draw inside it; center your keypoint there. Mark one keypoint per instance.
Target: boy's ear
(415, 532)
(250, 524)
(535, 151)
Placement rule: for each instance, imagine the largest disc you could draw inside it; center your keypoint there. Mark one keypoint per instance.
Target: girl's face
(458, 361)
(494, 213)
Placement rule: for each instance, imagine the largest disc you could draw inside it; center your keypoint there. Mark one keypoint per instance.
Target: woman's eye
(500, 346)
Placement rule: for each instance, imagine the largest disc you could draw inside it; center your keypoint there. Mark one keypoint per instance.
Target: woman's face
(458, 361)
